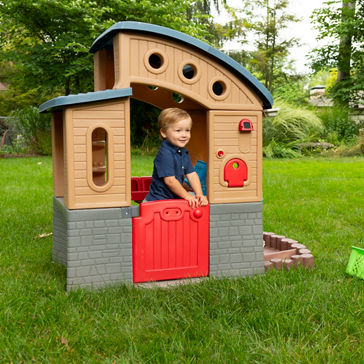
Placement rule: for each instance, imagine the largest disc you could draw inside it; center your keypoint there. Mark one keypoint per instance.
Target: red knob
(197, 213)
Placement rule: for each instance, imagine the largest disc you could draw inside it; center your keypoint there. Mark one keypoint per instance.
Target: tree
(341, 23)
(266, 20)
(47, 41)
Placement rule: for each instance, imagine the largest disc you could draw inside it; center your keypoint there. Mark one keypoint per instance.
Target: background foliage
(341, 25)
(33, 129)
(48, 41)
(45, 53)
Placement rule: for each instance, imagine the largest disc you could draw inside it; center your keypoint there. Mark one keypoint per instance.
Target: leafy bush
(292, 92)
(276, 150)
(11, 142)
(338, 126)
(355, 147)
(34, 128)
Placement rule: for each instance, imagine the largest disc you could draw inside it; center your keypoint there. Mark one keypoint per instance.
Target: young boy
(173, 162)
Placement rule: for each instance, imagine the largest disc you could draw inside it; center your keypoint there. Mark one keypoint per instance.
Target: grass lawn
(301, 316)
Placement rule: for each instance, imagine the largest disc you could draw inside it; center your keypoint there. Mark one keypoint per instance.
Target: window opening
(189, 71)
(177, 98)
(99, 156)
(146, 141)
(155, 60)
(218, 88)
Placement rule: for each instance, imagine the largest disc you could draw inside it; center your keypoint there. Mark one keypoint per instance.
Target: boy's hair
(170, 116)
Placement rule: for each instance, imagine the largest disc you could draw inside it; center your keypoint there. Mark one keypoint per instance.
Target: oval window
(99, 156)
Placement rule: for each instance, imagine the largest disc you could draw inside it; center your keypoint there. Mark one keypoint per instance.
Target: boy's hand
(192, 200)
(202, 200)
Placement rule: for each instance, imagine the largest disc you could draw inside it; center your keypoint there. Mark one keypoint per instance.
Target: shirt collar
(168, 145)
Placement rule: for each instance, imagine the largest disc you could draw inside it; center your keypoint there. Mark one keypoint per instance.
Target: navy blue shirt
(169, 161)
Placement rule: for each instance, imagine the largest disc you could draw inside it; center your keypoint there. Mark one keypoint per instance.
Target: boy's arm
(174, 185)
(195, 183)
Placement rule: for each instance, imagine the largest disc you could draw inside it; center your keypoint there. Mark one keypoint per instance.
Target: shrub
(292, 92)
(338, 125)
(276, 150)
(34, 127)
(353, 148)
(292, 124)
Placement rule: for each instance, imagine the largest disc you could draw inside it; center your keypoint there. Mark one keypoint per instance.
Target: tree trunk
(266, 81)
(68, 86)
(344, 56)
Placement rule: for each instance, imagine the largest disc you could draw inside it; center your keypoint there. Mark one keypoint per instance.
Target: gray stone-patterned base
(95, 245)
(236, 239)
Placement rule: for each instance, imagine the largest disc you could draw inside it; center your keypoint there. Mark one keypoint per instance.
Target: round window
(218, 88)
(177, 98)
(155, 60)
(189, 71)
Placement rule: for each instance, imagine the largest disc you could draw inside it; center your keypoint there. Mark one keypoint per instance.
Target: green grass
(314, 316)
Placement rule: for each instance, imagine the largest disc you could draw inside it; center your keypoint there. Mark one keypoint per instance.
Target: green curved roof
(105, 40)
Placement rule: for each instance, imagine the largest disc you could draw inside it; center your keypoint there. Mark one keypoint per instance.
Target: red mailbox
(235, 172)
(245, 125)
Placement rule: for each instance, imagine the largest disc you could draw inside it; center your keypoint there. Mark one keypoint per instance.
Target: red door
(170, 241)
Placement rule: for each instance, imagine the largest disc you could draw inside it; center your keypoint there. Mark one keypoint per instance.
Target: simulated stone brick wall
(236, 239)
(94, 244)
(59, 252)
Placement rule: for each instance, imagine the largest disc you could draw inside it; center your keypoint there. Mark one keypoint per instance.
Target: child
(172, 162)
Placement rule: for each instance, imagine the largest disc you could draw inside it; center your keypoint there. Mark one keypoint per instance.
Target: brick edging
(281, 252)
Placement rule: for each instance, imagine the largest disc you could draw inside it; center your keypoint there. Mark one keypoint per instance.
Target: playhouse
(98, 234)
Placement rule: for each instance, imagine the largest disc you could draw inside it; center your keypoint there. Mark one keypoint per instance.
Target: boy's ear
(164, 135)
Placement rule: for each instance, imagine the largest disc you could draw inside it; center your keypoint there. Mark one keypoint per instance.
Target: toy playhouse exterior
(98, 234)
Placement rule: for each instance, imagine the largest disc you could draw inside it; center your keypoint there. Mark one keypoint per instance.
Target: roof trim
(63, 101)
(105, 40)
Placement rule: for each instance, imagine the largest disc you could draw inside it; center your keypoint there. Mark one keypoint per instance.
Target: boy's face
(179, 133)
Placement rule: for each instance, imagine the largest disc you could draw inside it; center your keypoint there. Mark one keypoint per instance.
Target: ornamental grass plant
(291, 124)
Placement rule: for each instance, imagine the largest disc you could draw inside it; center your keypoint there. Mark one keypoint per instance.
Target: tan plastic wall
(224, 135)
(104, 60)
(80, 190)
(131, 53)
(58, 153)
(216, 117)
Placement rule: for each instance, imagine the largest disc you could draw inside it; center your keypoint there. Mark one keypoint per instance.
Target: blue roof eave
(105, 40)
(64, 101)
